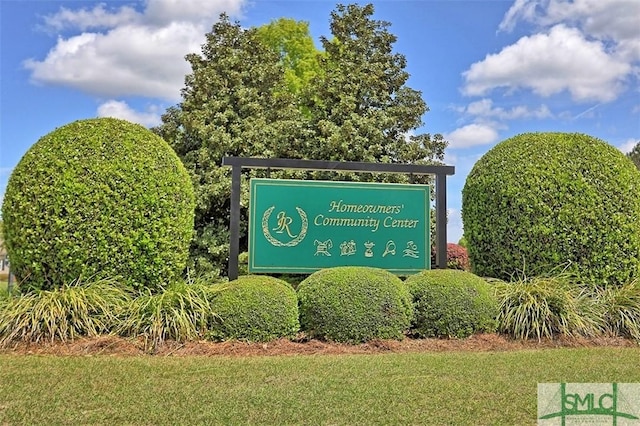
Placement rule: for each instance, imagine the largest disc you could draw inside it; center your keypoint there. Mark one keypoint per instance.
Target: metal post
(234, 228)
(441, 221)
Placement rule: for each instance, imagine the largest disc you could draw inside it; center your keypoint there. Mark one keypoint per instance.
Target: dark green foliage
(360, 106)
(354, 304)
(451, 303)
(540, 200)
(98, 198)
(235, 103)
(256, 309)
(266, 92)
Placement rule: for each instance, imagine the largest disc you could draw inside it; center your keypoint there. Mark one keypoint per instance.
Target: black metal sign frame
(238, 163)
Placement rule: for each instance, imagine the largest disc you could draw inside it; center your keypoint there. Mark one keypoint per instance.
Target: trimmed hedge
(541, 200)
(354, 304)
(451, 303)
(255, 308)
(98, 198)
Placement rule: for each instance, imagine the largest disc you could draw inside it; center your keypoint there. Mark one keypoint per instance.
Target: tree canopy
(295, 47)
(361, 108)
(268, 92)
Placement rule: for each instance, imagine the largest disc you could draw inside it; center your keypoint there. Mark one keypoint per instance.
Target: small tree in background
(298, 55)
(634, 155)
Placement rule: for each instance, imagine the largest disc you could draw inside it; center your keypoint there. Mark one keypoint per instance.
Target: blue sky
(488, 70)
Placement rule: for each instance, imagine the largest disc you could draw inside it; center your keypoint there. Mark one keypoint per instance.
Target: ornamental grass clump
(621, 309)
(546, 307)
(256, 309)
(354, 305)
(182, 311)
(451, 303)
(65, 313)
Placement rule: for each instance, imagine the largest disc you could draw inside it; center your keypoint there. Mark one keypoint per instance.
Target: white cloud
(119, 109)
(521, 9)
(550, 63)
(474, 134)
(163, 12)
(85, 19)
(628, 145)
(139, 53)
(606, 19)
(485, 108)
(613, 21)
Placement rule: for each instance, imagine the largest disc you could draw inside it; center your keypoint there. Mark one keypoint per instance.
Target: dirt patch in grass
(117, 346)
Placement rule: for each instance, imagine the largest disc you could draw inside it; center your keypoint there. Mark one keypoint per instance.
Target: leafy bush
(539, 200)
(255, 308)
(621, 309)
(546, 306)
(182, 311)
(100, 198)
(354, 304)
(457, 257)
(65, 313)
(451, 303)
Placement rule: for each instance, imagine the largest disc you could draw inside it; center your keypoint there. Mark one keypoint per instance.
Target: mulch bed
(117, 346)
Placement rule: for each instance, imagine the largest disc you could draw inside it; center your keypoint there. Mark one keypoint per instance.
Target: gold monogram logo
(282, 227)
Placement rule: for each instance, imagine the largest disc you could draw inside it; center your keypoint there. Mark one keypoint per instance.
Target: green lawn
(419, 388)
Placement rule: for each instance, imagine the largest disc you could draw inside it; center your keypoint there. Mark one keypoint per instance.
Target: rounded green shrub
(538, 201)
(354, 304)
(255, 308)
(451, 303)
(98, 198)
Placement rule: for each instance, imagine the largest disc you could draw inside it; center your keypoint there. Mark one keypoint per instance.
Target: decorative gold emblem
(369, 249)
(284, 222)
(323, 247)
(348, 248)
(390, 249)
(411, 250)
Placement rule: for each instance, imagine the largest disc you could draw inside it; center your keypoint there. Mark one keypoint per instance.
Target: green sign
(298, 226)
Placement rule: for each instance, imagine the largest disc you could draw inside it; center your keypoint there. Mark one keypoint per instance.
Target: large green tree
(268, 92)
(361, 108)
(234, 103)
